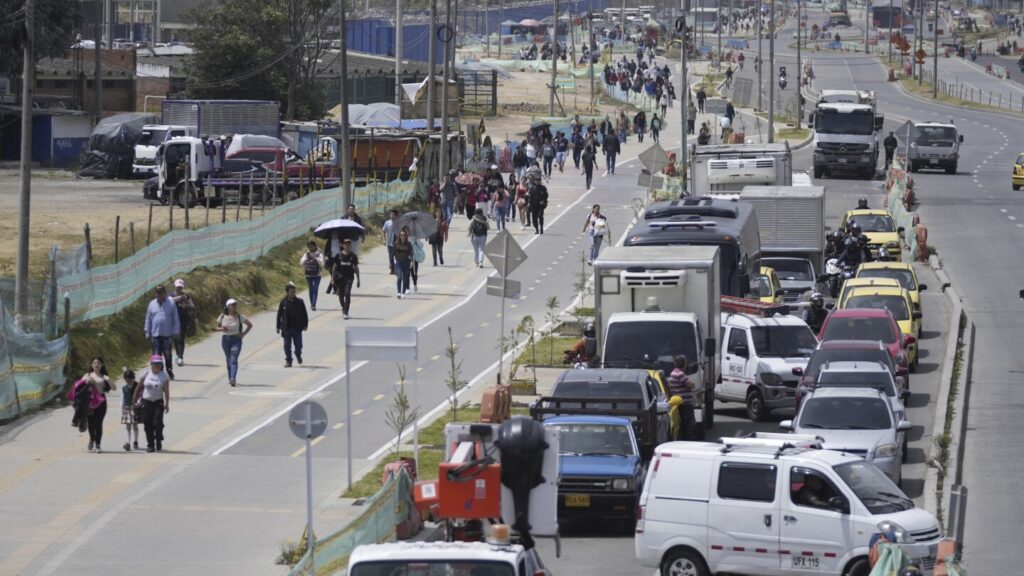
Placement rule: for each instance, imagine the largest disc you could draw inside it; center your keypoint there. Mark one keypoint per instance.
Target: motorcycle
(836, 274)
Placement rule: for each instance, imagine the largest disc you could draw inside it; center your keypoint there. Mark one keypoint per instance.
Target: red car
(869, 324)
(272, 159)
(847, 350)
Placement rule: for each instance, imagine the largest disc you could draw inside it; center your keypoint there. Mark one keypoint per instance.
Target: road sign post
(308, 420)
(506, 255)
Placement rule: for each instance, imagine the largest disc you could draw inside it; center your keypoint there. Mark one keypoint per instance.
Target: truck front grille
(842, 147)
(926, 535)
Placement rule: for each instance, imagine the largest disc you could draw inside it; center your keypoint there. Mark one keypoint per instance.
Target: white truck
(934, 145)
(656, 302)
(184, 164)
(730, 167)
(153, 136)
(846, 125)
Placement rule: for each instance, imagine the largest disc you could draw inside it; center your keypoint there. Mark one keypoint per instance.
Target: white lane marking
(1003, 210)
(1012, 217)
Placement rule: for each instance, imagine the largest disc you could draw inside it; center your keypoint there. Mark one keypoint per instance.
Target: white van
(758, 358)
(770, 505)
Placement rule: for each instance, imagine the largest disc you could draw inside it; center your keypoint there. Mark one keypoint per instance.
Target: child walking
(128, 412)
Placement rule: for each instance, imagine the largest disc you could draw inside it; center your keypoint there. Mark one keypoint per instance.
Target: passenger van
(728, 223)
(773, 505)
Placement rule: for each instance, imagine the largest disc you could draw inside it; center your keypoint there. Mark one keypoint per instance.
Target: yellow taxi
(853, 283)
(766, 286)
(902, 272)
(896, 300)
(1018, 172)
(879, 228)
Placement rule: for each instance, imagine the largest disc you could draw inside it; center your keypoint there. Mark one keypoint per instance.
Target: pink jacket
(94, 401)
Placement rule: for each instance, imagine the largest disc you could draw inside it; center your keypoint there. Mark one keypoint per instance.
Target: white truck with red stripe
(772, 505)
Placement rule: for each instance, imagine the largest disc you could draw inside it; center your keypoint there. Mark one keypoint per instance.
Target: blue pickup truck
(602, 473)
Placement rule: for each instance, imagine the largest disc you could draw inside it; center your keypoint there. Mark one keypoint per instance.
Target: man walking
(350, 213)
(448, 192)
(388, 233)
(162, 326)
(292, 320)
(344, 271)
(611, 150)
(701, 97)
(538, 202)
(186, 318)
(589, 159)
(890, 144)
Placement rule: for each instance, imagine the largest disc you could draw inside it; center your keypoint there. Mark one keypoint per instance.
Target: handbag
(417, 252)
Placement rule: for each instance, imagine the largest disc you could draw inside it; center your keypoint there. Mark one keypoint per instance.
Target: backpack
(600, 227)
(478, 228)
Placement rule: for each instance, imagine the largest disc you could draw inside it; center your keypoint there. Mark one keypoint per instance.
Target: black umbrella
(420, 224)
(539, 124)
(343, 226)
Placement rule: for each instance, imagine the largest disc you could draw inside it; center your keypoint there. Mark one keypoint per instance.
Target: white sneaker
(346, 316)
(415, 288)
(400, 296)
(181, 362)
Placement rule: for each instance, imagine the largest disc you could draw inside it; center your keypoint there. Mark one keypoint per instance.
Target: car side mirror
(961, 138)
(710, 345)
(839, 504)
(798, 371)
(904, 425)
(917, 315)
(742, 351)
(908, 340)
(786, 425)
(922, 287)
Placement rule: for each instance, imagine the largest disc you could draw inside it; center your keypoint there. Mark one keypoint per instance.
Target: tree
(401, 413)
(261, 49)
(454, 381)
(55, 24)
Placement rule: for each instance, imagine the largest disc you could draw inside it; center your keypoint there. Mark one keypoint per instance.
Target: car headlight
(894, 530)
(885, 451)
(771, 379)
(622, 484)
(901, 359)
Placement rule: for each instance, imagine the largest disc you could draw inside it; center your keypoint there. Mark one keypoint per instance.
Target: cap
(230, 302)
(179, 283)
(156, 359)
(494, 166)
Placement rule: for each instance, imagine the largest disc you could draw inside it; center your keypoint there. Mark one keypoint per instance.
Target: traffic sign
(308, 420)
(654, 158)
(512, 287)
(919, 55)
(495, 251)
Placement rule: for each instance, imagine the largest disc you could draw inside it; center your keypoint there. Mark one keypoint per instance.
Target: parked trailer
(216, 118)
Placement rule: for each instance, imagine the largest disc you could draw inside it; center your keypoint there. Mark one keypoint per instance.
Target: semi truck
(730, 167)
(846, 126)
(216, 118)
(653, 303)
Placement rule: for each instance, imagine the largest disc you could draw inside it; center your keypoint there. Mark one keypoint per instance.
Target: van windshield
(649, 344)
(873, 488)
(433, 568)
(943, 136)
(152, 137)
(790, 268)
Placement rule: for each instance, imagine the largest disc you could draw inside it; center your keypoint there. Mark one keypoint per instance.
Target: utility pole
(501, 18)
(685, 102)
(935, 54)
(398, 56)
(718, 57)
(890, 27)
(771, 66)
(449, 49)
(346, 145)
(867, 25)
(590, 47)
(622, 18)
(920, 41)
(554, 63)
(760, 60)
(487, 25)
(799, 67)
(432, 57)
(27, 79)
(97, 82)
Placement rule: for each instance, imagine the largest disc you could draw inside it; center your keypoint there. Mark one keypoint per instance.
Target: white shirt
(153, 385)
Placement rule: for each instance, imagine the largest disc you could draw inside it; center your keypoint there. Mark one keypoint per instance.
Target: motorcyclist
(862, 203)
(855, 250)
(833, 244)
(816, 313)
(782, 77)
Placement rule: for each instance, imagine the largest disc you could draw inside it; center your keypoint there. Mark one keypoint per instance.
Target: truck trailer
(216, 118)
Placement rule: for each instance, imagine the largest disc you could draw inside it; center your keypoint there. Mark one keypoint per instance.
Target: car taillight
(639, 519)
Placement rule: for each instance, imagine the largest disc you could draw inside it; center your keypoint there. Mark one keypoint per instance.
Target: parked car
(770, 506)
(868, 324)
(857, 421)
(601, 471)
(850, 350)
(758, 359)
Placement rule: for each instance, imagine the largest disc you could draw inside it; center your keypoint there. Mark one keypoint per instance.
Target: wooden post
(88, 246)
(207, 209)
(250, 202)
(149, 224)
(170, 213)
(224, 203)
(131, 235)
(188, 201)
(117, 239)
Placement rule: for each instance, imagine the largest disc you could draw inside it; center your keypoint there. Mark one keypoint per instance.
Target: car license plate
(805, 562)
(842, 160)
(577, 500)
(933, 161)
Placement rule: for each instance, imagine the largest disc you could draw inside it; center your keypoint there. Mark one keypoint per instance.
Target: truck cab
(153, 136)
(934, 145)
(183, 164)
(845, 139)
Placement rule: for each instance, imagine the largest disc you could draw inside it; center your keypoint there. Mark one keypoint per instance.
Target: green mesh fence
(31, 367)
(108, 289)
(383, 511)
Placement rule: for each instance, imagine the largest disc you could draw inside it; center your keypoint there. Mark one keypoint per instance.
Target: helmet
(883, 253)
(817, 300)
(854, 228)
(862, 203)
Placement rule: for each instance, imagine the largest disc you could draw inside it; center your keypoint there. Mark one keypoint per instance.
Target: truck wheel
(858, 567)
(185, 194)
(818, 172)
(684, 563)
(951, 169)
(755, 406)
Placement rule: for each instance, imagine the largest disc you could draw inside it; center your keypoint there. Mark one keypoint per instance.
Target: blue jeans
(314, 289)
(162, 345)
(403, 272)
(595, 246)
(478, 248)
(500, 213)
(447, 209)
(291, 337)
(511, 206)
(232, 346)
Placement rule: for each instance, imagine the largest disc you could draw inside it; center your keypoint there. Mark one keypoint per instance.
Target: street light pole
(867, 25)
(920, 42)
(718, 56)
(27, 79)
(890, 27)
(771, 66)
(449, 49)
(554, 63)
(346, 144)
(685, 103)
(590, 54)
(935, 54)
(398, 54)
(799, 67)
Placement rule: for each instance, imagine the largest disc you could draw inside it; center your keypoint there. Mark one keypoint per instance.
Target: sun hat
(230, 302)
(156, 359)
(179, 283)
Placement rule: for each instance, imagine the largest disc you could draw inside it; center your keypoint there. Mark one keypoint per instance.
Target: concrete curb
(958, 424)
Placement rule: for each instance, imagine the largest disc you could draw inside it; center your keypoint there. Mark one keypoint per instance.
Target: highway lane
(974, 221)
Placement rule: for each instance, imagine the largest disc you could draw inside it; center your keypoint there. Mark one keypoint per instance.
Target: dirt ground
(63, 203)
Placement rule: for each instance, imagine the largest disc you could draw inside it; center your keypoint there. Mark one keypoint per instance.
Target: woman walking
(89, 396)
(403, 261)
(312, 263)
(596, 226)
(235, 327)
(438, 238)
(478, 228)
(499, 200)
(153, 395)
(129, 414)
